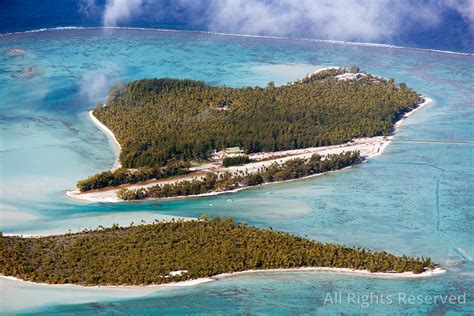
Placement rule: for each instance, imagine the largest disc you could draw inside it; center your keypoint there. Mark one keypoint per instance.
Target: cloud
(95, 85)
(329, 19)
(355, 20)
(120, 10)
(333, 19)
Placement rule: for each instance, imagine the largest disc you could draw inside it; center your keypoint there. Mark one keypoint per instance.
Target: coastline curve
(365, 273)
(111, 136)
(370, 146)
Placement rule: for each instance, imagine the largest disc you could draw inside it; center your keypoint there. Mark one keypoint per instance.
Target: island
(177, 251)
(187, 138)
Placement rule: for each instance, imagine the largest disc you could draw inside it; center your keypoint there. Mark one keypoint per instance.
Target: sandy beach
(368, 147)
(18, 295)
(411, 275)
(115, 144)
(31, 294)
(103, 287)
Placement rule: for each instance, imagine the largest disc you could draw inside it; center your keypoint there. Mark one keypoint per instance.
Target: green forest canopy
(147, 254)
(156, 120)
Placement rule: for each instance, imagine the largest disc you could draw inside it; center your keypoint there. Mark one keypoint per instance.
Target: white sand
(115, 144)
(430, 273)
(103, 287)
(368, 147)
(434, 272)
(19, 295)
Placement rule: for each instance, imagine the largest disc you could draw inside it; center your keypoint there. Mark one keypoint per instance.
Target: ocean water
(447, 29)
(415, 199)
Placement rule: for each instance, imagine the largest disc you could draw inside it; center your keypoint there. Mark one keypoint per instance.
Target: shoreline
(399, 123)
(110, 195)
(214, 193)
(110, 135)
(373, 146)
(192, 282)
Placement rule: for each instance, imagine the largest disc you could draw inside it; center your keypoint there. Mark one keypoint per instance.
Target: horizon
(445, 26)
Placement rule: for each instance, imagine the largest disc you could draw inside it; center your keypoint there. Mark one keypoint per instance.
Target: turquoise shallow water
(415, 199)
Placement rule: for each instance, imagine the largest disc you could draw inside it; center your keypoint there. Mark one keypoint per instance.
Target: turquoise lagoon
(416, 198)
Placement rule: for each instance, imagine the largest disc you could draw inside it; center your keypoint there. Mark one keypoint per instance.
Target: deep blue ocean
(416, 198)
(451, 33)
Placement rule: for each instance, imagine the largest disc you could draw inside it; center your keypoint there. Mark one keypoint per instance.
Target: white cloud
(334, 19)
(95, 85)
(120, 10)
(359, 20)
(284, 18)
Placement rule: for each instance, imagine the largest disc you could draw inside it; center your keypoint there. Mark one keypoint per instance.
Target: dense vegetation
(128, 176)
(235, 160)
(291, 169)
(147, 254)
(156, 120)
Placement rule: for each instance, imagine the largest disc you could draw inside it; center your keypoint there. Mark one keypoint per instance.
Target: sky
(435, 24)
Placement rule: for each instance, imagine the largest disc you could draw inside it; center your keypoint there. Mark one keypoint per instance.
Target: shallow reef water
(415, 199)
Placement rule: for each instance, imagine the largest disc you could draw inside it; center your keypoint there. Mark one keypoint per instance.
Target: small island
(186, 138)
(175, 251)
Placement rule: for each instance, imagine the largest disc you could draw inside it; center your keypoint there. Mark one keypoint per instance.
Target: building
(233, 151)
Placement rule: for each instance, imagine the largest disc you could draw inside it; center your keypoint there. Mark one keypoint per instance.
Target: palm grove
(163, 122)
(147, 254)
